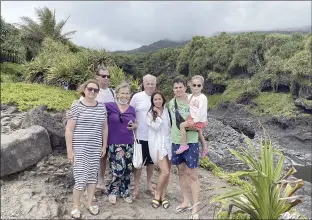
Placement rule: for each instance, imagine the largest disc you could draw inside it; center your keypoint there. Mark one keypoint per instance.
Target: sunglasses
(120, 118)
(90, 89)
(198, 85)
(104, 76)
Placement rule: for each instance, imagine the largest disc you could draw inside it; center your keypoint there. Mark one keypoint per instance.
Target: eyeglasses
(90, 89)
(120, 118)
(198, 85)
(104, 76)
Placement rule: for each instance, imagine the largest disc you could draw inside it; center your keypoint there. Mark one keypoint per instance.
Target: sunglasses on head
(104, 76)
(90, 89)
(120, 118)
(198, 85)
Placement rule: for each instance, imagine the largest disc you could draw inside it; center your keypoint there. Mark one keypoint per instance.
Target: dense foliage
(272, 193)
(12, 48)
(238, 68)
(28, 96)
(56, 63)
(46, 26)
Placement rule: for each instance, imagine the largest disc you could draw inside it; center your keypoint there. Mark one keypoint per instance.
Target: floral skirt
(121, 165)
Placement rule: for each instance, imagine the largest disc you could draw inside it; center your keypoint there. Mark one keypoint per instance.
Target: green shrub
(238, 88)
(275, 104)
(56, 62)
(28, 96)
(271, 194)
(214, 101)
(11, 72)
(300, 64)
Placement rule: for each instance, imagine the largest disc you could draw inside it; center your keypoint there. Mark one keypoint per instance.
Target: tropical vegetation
(244, 68)
(270, 194)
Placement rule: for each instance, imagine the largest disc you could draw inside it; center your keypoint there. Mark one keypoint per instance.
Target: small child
(197, 119)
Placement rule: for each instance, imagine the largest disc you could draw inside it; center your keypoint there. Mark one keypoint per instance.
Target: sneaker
(128, 200)
(112, 199)
(182, 148)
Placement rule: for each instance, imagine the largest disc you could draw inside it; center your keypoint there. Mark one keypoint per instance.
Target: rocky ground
(45, 191)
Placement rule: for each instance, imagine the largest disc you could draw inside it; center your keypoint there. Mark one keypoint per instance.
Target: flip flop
(180, 209)
(76, 214)
(94, 210)
(155, 203)
(150, 192)
(165, 204)
(195, 216)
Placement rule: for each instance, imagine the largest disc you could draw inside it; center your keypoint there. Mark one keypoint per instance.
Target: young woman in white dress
(159, 142)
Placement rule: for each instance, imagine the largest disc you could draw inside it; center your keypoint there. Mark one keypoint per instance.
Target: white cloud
(117, 25)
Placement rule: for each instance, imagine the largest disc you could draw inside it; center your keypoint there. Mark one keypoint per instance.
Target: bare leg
(163, 178)
(194, 188)
(183, 184)
(90, 192)
(76, 198)
(166, 183)
(203, 143)
(137, 177)
(101, 183)
(149, 171)
(183, 127)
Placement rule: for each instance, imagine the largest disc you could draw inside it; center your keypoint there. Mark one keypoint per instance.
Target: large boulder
(23, 148)
(55, 128)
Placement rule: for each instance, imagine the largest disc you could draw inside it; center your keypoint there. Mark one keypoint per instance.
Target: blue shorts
(190, 156)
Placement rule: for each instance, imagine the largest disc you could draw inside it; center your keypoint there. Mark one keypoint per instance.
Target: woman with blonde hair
(86, 141)
(121, 123)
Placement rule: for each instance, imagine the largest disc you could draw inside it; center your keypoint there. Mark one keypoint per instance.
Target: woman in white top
(159, 142)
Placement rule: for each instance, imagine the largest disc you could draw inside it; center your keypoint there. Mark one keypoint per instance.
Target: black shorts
(145, 152)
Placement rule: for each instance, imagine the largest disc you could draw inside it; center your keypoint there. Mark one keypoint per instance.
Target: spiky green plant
(271, 194)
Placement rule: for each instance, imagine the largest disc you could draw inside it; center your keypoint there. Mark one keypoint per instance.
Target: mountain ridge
(165, 43)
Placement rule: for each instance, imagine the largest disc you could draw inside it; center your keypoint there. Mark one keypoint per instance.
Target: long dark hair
(157, 92)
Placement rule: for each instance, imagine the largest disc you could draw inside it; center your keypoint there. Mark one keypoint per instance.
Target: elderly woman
(121, 123)
(142, 103)
(86, 141)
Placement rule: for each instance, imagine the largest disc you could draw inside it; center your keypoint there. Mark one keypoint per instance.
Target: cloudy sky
(124, 25)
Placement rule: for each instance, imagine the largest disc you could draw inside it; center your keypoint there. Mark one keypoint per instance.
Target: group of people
(105, 123)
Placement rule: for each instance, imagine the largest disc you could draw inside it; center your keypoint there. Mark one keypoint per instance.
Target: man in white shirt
(142, 103)
(106, 94)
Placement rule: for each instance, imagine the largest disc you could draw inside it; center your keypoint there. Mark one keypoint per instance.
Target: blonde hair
(149, 76)
(201, 78)
(123, 85)
(83, 86)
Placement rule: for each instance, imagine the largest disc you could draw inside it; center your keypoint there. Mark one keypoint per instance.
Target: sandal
(112, 199)
(165, 204)
(76, 214)
(150, 192)
(155, 203)
(204, 152)
(195, 216)
(180, 209)
(94, 210)
(128, 200)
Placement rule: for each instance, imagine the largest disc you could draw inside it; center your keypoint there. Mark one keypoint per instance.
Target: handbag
(178, 117)
(137, 159)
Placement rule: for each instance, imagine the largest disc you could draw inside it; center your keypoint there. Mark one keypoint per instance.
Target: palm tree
(33, 33)
(47, 26)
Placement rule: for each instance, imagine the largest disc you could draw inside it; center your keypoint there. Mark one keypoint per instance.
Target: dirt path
(35, 194)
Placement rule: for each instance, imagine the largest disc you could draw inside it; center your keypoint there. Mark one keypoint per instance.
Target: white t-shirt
(198, 107)
(142, 104)
(105, 95)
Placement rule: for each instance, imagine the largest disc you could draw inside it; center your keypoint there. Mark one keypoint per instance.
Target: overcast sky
(124, 25)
